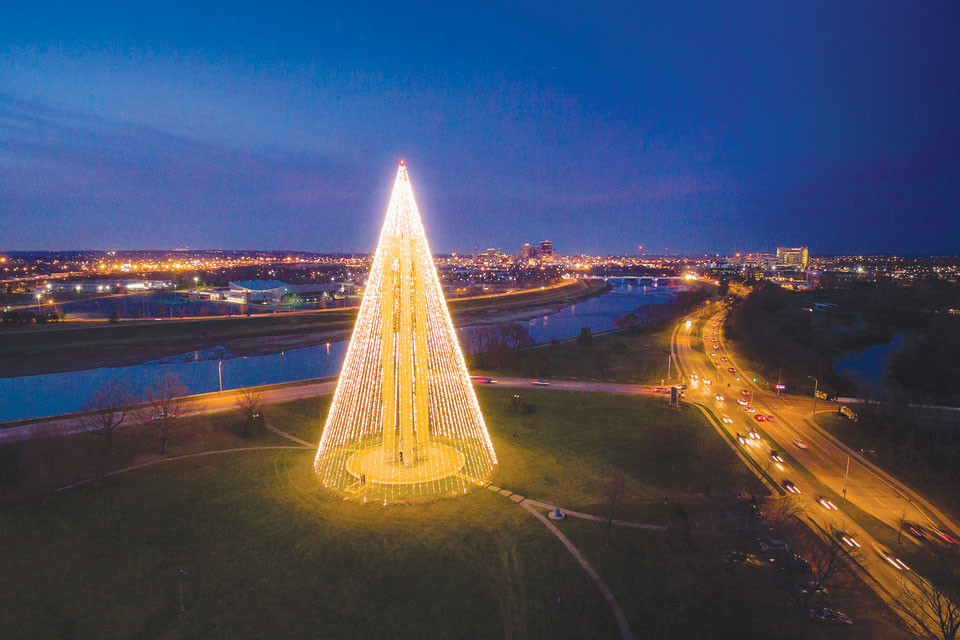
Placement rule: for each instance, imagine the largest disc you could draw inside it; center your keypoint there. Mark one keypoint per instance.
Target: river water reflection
(52, 394)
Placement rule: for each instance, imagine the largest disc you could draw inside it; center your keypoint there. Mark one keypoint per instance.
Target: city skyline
(135, 130)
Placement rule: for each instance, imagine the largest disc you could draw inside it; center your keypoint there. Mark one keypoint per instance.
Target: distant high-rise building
(526, 252)
(546, 251)
(793, 257)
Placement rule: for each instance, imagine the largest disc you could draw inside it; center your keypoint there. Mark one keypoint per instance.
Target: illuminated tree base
(449, 469)
(373, 464)
(404, 422)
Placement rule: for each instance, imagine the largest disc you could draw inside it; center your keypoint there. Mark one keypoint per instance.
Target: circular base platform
(439, 462)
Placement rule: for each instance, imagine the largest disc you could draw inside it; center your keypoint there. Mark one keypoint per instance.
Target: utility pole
(220, 373)
(779, 373)
(180, 575)
(669, 362)
(816, 387)
(846, 473)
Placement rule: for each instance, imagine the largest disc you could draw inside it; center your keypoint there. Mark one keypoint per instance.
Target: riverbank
(44, 349)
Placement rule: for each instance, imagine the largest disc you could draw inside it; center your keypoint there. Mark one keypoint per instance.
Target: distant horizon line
(448, 253)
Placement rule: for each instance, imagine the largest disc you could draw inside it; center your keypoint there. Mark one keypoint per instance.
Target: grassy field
(268, 553)
(638, 356)
(567, 447)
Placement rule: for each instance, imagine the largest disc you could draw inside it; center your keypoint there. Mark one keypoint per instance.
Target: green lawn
(269, 553)
(566, 448)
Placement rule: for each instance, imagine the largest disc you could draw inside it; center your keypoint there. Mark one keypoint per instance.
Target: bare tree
(933, 603)
(165, 405)
(611, 501)
(829, 562)
(820, 573)
(249, 402)
(105, 412)
(785, 511)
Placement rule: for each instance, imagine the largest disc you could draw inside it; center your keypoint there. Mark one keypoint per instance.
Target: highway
(815, 462)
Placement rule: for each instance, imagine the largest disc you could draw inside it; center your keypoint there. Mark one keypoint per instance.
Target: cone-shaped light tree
(404, 421)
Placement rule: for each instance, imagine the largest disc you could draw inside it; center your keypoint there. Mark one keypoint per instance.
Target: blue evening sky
(698, 127)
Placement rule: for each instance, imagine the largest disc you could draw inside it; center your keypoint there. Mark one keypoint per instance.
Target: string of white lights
(404, 420)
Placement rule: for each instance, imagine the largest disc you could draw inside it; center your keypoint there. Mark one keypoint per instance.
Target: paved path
(70, 424)
(533, 505)
(284, 434)
(174, 459)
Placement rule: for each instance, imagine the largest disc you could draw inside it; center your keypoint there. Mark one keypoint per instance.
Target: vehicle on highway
(915, 530)
(160, 416)
(713, 354)
(726, 420)
(754, 434)
(719, 398)
(743, 401)
(480, 379)
(769, 418)
(540, 383)
(749, 409)
(742, 439)
(731, 370)
(707, 381)
(744, 392)
(716, 362)
(944, 537)
(724, 358)
(800, 444)
(894, 561)
(824, 614)
(846, 538)
(661, 390)
(759, 417)
(775, 456)
(789, 486)
(826, 504)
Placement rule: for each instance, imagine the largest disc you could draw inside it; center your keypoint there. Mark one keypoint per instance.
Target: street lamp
(38, 303)
(846, 473)
(816, 387)
(180, 575)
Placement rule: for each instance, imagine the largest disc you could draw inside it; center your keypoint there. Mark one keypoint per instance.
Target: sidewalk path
(532, 505)
(284, 434)
(174, 459)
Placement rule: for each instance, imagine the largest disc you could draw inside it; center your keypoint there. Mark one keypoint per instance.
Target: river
(200, 371)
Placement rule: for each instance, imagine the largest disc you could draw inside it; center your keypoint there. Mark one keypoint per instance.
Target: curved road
(825, 466)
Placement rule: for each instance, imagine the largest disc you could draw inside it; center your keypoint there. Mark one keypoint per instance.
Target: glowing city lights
(404, 421)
